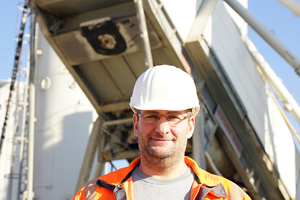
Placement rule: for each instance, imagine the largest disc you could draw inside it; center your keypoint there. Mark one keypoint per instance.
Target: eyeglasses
(172, 118)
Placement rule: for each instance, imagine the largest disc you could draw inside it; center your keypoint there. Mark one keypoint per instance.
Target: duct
(293, 5)
(287, 99)
(266, 35)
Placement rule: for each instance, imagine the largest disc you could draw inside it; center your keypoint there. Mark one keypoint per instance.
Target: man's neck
(163, 168)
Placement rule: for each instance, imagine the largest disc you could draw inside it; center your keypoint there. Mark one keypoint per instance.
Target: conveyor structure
(100, 43)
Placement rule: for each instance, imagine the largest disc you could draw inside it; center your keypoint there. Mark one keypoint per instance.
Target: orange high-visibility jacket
(118, 185)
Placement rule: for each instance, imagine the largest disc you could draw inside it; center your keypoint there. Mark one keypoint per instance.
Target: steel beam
(198, 136)
(203, 15)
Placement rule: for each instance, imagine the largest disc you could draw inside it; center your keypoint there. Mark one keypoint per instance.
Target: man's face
(161, 140)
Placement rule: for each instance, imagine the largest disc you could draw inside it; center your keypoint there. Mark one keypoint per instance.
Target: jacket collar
(210, 183)
(205, 178)
(120, 174)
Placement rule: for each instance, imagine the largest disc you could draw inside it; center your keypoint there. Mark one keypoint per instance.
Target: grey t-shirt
(148, 188)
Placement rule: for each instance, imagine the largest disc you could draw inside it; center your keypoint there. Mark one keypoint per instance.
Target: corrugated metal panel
(121, 74)
(99, 82)
(238, 64)
(136, 62)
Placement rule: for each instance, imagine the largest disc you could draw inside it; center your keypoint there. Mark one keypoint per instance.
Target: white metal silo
(63, 120)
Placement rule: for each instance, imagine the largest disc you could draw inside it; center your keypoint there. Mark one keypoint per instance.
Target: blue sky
(277, 18)
(8, 22)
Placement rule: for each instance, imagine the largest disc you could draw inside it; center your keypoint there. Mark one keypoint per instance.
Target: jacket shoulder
(87, 191)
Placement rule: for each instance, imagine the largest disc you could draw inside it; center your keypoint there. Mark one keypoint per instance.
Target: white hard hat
(164, 87)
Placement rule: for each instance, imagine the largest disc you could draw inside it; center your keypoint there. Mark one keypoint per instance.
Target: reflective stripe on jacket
(118, 185)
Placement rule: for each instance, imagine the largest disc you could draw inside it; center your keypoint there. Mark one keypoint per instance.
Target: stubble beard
(162, 158)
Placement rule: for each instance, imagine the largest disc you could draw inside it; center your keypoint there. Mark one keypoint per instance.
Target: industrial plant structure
(85, 57)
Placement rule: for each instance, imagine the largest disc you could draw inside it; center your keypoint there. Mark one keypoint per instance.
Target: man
(165, 104)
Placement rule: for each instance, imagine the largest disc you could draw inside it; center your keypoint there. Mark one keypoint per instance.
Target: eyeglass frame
(185, 116)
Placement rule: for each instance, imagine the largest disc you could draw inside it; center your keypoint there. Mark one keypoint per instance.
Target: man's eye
(151, 116)
(173, 117)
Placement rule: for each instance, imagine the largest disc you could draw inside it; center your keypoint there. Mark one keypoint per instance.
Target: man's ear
(191, 127)
(135, 124)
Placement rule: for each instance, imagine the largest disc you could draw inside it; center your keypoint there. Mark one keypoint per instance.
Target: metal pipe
(266, 34)
(144, 33)
(117, 122)
(30, 193)
(280, 90)
(212, 164)
(293, 5)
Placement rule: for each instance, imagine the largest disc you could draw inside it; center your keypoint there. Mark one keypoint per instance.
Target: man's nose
(162, 126)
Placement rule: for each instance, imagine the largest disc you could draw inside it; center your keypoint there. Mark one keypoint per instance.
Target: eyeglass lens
(172, 118)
